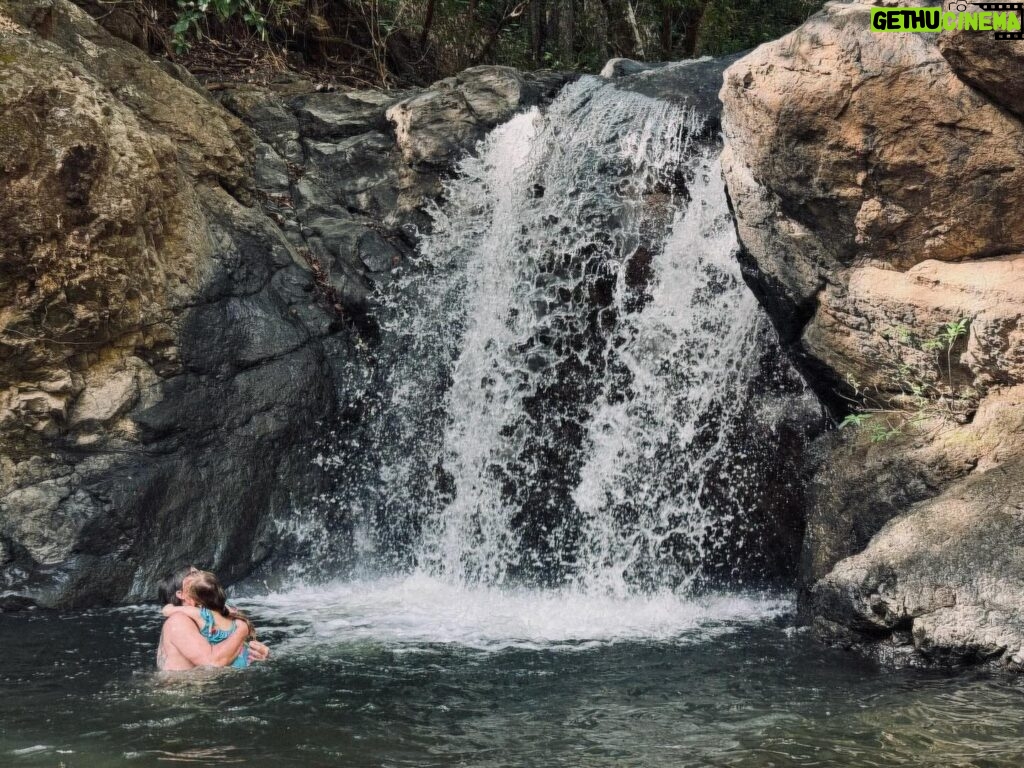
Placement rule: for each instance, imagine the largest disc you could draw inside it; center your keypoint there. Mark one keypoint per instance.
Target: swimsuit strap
(209, 629)
(208, 623)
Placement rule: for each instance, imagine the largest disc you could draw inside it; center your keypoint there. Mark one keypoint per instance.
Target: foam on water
(421, 610)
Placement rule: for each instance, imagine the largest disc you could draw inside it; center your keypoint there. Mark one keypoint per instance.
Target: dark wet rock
(341, 115)
(376, 253)
(693, 84)
(340, 183)
(358, 172)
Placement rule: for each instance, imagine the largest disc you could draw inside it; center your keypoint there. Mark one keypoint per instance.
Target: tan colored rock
(844, 144)
(99, 231)
(994, 68)
(110, 390)
(156, 385)
(7, 24)
(435, 126)
(876, 180)
(860, 326)
(864, 484)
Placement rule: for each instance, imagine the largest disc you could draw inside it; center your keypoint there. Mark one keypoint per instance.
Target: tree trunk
(538, 23)
(553, 32)
(631, 18)
(569, 34)
(620, 40)
(508, 15)
(428, 20)
(693, 18)
(666, 30)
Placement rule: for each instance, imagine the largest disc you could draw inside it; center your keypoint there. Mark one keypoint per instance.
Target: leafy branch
(193, 13)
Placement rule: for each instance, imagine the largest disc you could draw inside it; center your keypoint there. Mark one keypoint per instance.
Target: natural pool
(415, 673)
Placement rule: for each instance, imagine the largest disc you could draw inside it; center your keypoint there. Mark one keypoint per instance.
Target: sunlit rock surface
(874, 180)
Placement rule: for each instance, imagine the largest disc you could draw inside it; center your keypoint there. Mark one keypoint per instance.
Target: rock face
(346, 175)
(694, 83)
(874, 179)
(153, 382)
(434, 127)
(184, 295)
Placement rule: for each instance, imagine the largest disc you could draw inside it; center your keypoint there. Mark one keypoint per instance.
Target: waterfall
(576, 347)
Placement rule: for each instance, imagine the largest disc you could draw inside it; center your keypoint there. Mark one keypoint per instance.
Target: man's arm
(182, 632)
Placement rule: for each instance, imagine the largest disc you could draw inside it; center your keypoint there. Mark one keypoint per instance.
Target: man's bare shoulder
(179, 622)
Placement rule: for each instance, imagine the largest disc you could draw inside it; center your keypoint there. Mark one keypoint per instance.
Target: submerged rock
(874, 179)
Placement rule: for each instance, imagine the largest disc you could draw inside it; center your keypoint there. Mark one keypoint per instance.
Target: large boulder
(156, 386)
(944, 580)
(874, 179)
(435, 127)
(844, 145)
(184, 302)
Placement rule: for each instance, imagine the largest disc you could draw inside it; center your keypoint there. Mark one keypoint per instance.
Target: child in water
(215, 618)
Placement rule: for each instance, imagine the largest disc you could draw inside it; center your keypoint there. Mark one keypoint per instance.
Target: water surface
(414, 673)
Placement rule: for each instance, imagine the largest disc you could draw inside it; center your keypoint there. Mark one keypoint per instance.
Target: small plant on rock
(907, 398)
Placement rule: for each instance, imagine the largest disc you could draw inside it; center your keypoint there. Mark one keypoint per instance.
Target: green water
(78, 690)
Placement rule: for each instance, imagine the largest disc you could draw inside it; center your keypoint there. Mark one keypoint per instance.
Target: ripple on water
(664, 683)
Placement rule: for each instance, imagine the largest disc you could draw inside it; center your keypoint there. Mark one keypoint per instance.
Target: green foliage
(192, 16)
(734, 25)
(855, 420)
(909, 395)
(395, 42)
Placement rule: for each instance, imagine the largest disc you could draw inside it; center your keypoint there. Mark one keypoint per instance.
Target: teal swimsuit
(213, 635)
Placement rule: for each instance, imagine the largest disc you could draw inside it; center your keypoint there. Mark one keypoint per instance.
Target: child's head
(206, 591)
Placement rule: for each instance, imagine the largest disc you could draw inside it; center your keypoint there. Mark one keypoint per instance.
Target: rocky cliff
(876, 180)
(183, 295)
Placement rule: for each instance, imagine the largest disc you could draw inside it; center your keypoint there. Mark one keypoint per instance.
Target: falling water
(577, 346)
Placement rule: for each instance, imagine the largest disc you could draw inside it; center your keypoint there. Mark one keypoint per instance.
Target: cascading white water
(599, 340)
(551, 454)
(691, 355)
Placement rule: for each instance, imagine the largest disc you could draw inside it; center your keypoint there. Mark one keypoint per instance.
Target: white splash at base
(420, 610)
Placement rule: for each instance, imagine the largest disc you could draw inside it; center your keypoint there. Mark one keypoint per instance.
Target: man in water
(183, 647)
